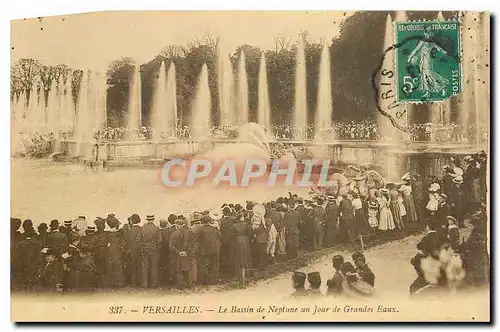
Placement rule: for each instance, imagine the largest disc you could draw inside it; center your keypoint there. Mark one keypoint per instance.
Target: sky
(93, 40)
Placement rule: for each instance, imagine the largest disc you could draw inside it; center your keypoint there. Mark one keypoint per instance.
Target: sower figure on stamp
(181, 248)
(150, 242)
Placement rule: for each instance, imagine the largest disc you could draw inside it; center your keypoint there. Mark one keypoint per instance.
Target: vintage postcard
(250, 166)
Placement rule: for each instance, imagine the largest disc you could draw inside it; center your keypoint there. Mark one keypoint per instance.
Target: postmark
(427, 61)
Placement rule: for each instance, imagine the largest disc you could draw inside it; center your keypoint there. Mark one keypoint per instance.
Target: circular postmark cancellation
(422, 66)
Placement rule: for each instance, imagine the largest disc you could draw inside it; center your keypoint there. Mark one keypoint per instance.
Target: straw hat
(406, 177)
(458, 179)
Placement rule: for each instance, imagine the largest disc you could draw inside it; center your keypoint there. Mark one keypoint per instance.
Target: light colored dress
(402, 208)
(411, 211)
(372, 217)
(386, 221)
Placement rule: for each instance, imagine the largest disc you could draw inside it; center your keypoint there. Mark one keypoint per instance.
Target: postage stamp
(428, 61)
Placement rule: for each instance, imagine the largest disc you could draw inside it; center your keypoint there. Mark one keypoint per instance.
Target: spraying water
(82, 110)
(264, 111)
(53, 109)
(68, 107)
(32, 109)
(159, 103)
(300, 109)
(201, 113)
(41, 112)
(171, 110)
(226, 85)
(100, 89)
(134, 118)
(242, 99)
(324, 106)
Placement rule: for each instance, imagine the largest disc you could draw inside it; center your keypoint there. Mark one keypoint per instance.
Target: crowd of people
(364, 130)
(443, 263)
(207, 246)
(40, 144)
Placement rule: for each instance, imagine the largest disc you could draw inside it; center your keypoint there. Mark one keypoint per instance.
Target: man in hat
(133, 256)
(208, 239)
(71, 262)
(299, 283)
(417, 187)
(56, 240)
(42, 234)
(331, 221)
(166, 229)
(182, 244)
(99, 241)
(346, 219)
(51, 277)
(362, 269)
(318, 221)
(29, 260)
(458, 201)
(447, 180)
(196, 224)
(314, 279)
(227, 221)
(335, 284)
(291, 219)
(150, 244)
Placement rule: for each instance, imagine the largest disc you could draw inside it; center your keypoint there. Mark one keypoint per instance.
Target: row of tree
(354, 55)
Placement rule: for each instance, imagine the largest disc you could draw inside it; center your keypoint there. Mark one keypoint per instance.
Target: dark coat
(58, 242)
(208, 238)
(29, 260)
(346, 210)
(225, 229)
(182, 239)
(51, 278)
(150, 238)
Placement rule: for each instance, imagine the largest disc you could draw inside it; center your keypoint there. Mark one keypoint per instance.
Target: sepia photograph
(250, 166)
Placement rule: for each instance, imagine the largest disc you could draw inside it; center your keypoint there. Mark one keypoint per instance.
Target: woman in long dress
(406, 191)
(386, 221)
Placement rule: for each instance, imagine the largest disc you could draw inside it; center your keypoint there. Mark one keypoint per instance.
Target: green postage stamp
(428, 60)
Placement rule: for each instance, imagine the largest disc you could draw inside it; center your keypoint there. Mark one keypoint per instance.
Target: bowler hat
(134, 219)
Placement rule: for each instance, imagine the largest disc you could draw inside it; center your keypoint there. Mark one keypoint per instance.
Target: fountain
(226, 85)
(53, 109)
(159, 102)
(299, 121)
(242, 97)
(68, 119)
(31, 110)
(264, 111)
(392, 160)
(134, 115)
(41, 112)
(324, 104)
(82, 134)
(100, 89)
(171, 102)
(200, 122)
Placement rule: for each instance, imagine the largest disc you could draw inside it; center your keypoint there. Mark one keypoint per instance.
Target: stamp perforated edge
(457, 19)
